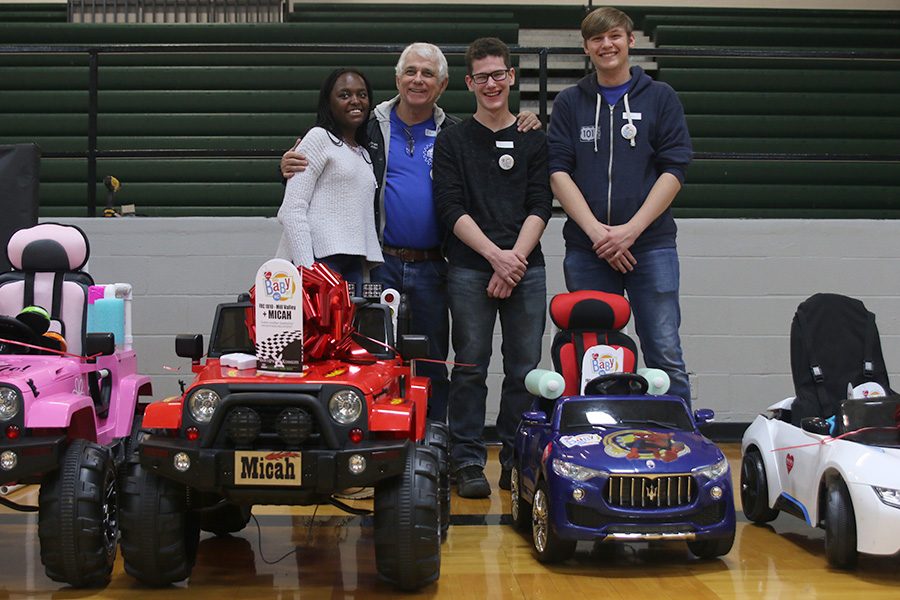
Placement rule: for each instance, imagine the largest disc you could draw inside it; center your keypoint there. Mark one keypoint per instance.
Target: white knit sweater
(328, 208)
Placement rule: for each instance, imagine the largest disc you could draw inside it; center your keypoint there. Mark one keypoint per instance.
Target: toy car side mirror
(413, 346)
(704, 415)
(535, 416)
(816, 425)
(103, 344)
(189, 345)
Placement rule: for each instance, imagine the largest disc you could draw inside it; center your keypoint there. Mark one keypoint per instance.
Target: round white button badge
(629, 131)
(506, 162)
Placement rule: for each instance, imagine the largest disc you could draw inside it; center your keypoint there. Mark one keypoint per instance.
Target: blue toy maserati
(610, 461)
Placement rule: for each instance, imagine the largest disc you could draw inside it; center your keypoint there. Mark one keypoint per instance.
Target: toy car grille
(646, 491)
(585, 516)
(271, 427)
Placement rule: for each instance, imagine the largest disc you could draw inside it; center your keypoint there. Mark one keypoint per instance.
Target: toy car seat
(834, 343)
(47, 261)
(588, 320)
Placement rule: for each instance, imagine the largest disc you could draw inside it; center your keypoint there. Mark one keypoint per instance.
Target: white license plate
(267, 468)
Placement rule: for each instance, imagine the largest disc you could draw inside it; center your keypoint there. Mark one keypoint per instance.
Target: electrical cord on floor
(278, 560)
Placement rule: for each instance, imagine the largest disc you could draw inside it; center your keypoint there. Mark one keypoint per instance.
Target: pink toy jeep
(68, 401)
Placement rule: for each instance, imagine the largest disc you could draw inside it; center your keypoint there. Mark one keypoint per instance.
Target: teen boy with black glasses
(492, 190)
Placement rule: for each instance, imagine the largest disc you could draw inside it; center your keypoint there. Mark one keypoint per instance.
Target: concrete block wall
(741, 281)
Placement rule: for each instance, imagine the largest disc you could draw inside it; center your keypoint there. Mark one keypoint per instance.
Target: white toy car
(848, 484)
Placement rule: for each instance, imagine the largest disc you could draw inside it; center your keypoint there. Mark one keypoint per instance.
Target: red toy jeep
(354, 417)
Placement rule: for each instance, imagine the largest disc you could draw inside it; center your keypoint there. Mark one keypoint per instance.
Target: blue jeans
(522, 318)
(425, 286)
(653, 293)
(349, 266)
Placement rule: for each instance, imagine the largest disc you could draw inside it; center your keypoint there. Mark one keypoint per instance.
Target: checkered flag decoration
(271, 349)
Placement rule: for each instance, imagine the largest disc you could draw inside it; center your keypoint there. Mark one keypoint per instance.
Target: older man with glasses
(408, 226)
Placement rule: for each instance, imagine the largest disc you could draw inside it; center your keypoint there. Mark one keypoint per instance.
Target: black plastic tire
(407, 522)
(840, 526)
(755, 489)
(548, 546)
(519, 510)
(78, 521)
(438, 436)
(131, 444)
(225, 519)
(159, 534)
(712, 548)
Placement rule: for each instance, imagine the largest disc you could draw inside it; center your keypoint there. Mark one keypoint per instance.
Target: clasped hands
(612, 243)
(509, 268)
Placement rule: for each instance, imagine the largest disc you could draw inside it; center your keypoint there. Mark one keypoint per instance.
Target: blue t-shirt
(410, 218)
(611, 95)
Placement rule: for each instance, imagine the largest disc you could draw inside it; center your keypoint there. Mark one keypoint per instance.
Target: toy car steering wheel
(610, 384)
(16, 331)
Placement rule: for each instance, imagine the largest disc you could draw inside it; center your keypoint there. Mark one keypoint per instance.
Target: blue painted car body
(627, 468)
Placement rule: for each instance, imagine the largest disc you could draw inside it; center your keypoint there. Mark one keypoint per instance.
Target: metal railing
(176, 11)
(95, 52)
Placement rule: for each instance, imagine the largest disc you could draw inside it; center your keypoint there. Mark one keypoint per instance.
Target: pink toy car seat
(47, 261)
(585, 319)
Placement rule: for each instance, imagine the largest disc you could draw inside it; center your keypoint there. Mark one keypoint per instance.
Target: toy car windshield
(230, 333)
(587, 414)
(875, 422)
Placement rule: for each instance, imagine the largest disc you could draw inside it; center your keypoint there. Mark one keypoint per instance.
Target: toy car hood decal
(37, 369)
(627, 449)
(582, 439)
(645, 444)
(631, 450)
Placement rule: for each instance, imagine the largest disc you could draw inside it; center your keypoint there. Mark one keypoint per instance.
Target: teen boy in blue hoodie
(619, 147)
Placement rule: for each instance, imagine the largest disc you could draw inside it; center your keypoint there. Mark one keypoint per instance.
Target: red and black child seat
(585, 319)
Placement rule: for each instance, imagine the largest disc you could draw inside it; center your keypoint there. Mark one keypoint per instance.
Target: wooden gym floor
(306, 553)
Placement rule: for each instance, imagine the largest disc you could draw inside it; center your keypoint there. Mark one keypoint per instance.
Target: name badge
(635, 116)
(505, 144)
(430, 133)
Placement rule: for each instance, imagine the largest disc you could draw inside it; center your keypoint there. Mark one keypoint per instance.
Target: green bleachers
(33, 13)
(779, 106)
(776, 36)
(536, 16)
(272, 33)
(261, 102)
(195, 101)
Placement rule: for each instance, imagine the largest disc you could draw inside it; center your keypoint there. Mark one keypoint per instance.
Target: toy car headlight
(888, 496)
(345, 406)
(713, 471)
(9, 403)
(575, 472)
(203, 404)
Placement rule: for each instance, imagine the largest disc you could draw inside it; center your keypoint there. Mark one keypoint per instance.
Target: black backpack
(834, 342)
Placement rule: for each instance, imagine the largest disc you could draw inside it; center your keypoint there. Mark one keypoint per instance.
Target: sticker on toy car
(583, 439)
(267, 468)
(279, 317)
(599, 360)
(640, 444)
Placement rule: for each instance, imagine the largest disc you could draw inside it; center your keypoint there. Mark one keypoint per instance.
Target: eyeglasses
(410, 142)
(481, 78)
